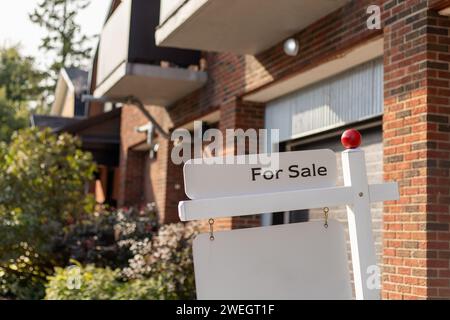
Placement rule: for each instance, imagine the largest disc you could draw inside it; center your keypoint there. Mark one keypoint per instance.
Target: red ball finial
(351, 139)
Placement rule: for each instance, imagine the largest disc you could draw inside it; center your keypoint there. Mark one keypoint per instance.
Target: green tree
(20, 80)
(64, 36)
(43, 178)
(10, 120)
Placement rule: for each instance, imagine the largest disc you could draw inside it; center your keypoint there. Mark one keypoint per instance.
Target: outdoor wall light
(291, 47)
(154, 151)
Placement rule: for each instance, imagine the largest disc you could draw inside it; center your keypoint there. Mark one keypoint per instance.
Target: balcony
(130, 64)
(238, 26)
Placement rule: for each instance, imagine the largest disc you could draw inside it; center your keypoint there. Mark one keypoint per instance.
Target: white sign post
(279, 195)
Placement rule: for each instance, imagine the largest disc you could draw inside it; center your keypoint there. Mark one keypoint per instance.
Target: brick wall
(230, 77)
(133, 181)
(174, 187)
(417, 151)
(133, 163)
(242, 115)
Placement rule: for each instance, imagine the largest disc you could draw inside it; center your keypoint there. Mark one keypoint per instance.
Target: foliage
(10, 121)
(97, 284)
(19, 83)
(102, 238)
(167, 259)
(94, 284)
(20, 80)
(20, 285)
(42, 178)
(141, 289)
(161, 268)
(63, 32)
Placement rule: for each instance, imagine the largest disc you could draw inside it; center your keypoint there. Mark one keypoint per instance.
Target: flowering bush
(104, 238)
(167, 259)
(160, 268)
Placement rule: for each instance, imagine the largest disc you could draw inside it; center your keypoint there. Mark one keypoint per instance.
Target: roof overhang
(334, 65)
(210, 118)
(239, 26)
(99, 135)
(55, 123)
(151, 84)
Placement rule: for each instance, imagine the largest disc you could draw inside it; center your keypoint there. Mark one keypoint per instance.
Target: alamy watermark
(235, 146)
(374, 277)
(74, 278)
(374, 20)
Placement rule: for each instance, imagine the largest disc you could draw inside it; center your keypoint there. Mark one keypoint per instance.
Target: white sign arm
(192, 210)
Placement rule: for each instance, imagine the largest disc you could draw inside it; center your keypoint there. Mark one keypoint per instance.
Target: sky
(15, 26)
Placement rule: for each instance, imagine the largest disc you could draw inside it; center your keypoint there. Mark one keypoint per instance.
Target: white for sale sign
(300, 261)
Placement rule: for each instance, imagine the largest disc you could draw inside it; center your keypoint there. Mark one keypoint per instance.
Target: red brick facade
(417, 151)
(416, 127)
(230, 77)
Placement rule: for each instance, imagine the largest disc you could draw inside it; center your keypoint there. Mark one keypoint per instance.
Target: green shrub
(88, 283)
(99, 284)
(167, 259)
(42, 182)
(104, 238)
(10, 121)
(18, 285)
(161, 268)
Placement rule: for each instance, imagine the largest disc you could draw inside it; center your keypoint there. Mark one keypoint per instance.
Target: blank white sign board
(295, 261)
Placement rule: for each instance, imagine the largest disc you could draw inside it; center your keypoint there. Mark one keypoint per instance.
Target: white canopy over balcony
(238, 26)
(151, 84)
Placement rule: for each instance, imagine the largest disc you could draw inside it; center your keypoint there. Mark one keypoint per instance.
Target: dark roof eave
(91, 121)
(55, 123)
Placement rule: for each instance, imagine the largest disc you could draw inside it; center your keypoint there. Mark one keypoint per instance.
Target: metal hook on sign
(325, 214)
(211, 229)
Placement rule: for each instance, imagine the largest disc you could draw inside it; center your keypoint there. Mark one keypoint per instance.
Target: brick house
(222, 62)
